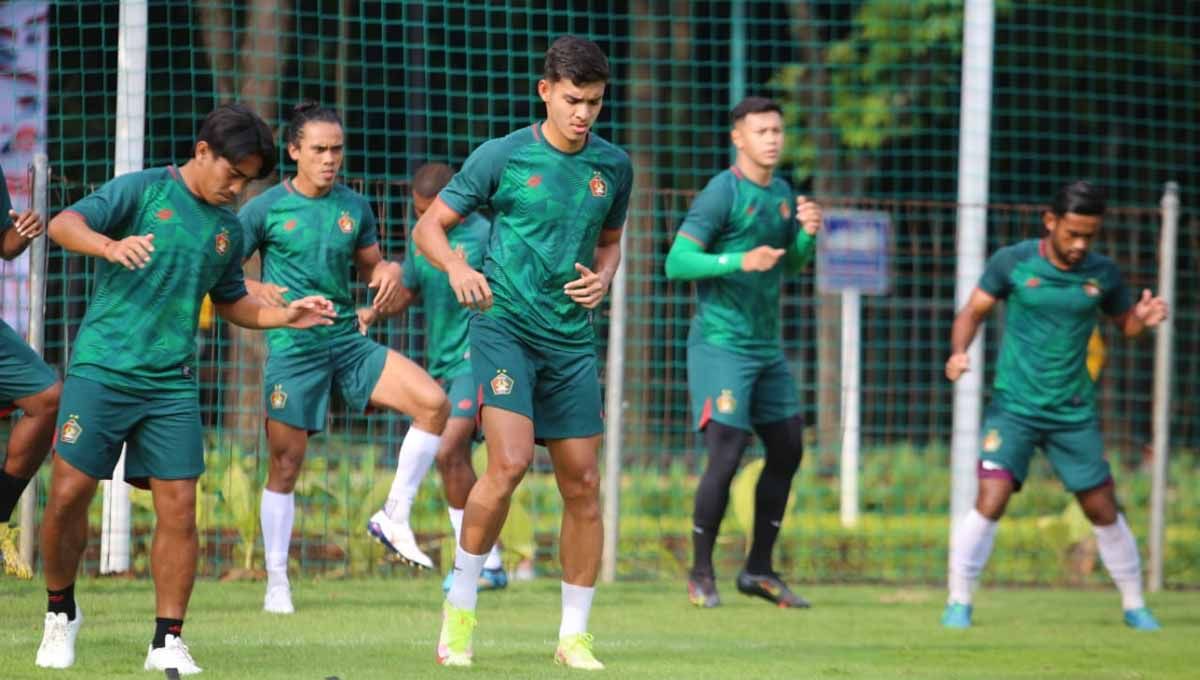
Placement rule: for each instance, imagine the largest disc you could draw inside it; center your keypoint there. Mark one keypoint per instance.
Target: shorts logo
(597, 185)
(784, 211)
(222, 244)
(992, 441)
(465, 405)
(502, 384)
(71, 430)
(726, 403)
(1092, 287)
(346, 223)
(278, 398)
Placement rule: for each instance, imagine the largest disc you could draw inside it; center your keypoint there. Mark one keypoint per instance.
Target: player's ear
(1049, 219)
(202, 151)
(544, 90)
(735, 136)
(293, 151)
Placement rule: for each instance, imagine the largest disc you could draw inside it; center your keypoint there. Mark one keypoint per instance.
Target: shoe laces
(176, 644)
(57, 633)
(580, 642)
(458, 636)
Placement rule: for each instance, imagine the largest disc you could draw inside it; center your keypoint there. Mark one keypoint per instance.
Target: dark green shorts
(1076, 451)
(739, 390)
(463, 394)
(161, 434)
(22, 371)
(296, 386)
(558, 391)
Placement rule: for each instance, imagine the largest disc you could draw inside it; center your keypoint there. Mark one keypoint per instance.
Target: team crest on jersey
(71, 430)
(598, 186)
(785, 211)
(1033, 282)
(502, 384)
(346, 223)
(726, 403)
(164, 214)
(278, 398)
(992, 441)
(222, 244)
(1091, 287)
(290, 224)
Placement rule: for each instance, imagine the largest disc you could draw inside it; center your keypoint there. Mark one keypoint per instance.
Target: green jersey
(549, 208)
(733, 214)
(1049, 316)
(139, 333)
(308, 246)
(446, 321)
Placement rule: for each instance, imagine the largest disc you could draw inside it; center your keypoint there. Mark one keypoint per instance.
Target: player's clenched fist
(956, 365)
(470, 287)
(761, 259)
(808, 214)
(28, 224)
(132, 252)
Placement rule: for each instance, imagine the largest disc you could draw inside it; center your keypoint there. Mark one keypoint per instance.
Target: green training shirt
(549, 208)
(308, 246)
(733, 214)
(447, 348)
(1050, 314)
(139, 332)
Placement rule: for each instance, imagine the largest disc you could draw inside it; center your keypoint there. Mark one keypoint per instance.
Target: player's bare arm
(590, 288)
(250, 312)
(382, 276)
(26, 226)
(470, 286)
(1147, 312)
(69, 230)
(966, 324)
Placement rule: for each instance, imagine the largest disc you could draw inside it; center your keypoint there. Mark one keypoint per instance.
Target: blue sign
(854, 252)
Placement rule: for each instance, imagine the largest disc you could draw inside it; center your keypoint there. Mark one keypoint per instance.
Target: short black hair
(306, 112)
(234, 132)
(1079, 197)
(576, 59)
(429, 179)
(751, 105)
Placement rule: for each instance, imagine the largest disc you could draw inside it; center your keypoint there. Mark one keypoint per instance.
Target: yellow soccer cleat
(454, 644)
(10, 555)
(575, 651)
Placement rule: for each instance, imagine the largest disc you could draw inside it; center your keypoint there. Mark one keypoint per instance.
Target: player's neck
(759, 174)
(306, 188)
(1047, 249)
(559, 141)
(187, 173)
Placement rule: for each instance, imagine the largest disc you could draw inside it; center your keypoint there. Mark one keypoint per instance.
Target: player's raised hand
(366, 317)
(588, 290)
(269, 293)
(28, 224)
(385, 281)
(132, 252)
(1150, 310)
(314, 310)
(808, 214)
(956, 365)
(761, 259)
(470, 287)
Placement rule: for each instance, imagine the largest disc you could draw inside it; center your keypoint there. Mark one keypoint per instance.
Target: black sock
(61, 601)
(725, 446)
(163, 628)
(784, 442)
(10, 492)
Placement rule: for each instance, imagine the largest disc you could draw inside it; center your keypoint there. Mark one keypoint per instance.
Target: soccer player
(449, 354)
(310, 229)
(745, 231)
(27, 383)
(166, 238)
(558, 194)
(1044, 396)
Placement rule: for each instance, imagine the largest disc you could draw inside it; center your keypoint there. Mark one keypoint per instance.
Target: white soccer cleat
(173, 654)
(399, 539)
(58, 640)
(278, 600)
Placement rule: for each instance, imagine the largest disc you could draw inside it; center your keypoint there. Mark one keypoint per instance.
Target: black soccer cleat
(771, 588)
(702, 592)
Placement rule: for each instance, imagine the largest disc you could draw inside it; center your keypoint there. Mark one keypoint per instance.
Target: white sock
(277, 513)
(493, 558)
(416, 455)
(456, 515)
(1119, 552)
(464, 589)
(576, 605)
(970, 547)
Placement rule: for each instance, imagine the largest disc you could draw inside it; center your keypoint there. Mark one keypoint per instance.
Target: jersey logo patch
(750, 209)
(71, 430)
(346, 223)
(597, 185)
(533, 181)
(1033, 282)
(992, 442)
(785, 211)
(726, 403)
(222, 244)
(278, 398)
(290, 224)
(465, 405)
(502, 384)
(1091, 287)
(164, 214)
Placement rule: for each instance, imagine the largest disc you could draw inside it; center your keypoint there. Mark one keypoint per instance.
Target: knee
(508, 468)
(432, 410)
(176, 512)
(286, 463)
(582, 487)
(450, 456)
(991, 505)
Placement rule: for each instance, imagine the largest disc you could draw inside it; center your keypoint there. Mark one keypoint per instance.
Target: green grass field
(387, 629)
